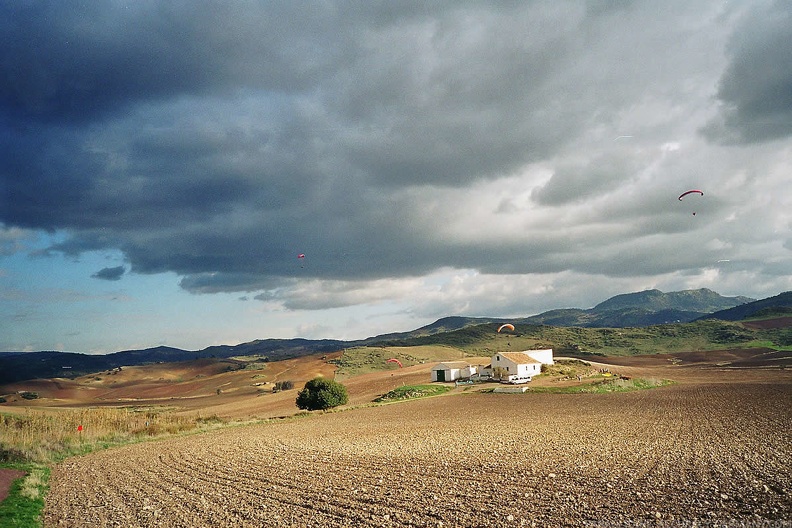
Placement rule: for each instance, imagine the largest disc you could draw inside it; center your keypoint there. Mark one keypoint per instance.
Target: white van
(514, 379)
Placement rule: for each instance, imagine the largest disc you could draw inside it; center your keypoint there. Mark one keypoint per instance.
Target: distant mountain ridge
(701, 300)
(781, 303)
(646, 308)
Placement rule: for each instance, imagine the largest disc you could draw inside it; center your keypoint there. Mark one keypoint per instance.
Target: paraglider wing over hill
(507, 326)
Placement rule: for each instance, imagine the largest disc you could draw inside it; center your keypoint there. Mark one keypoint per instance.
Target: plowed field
(708, 451)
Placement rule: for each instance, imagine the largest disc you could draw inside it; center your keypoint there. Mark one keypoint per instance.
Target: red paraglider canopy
(394, 360)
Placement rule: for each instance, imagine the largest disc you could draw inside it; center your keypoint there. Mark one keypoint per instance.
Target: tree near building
(320, 394)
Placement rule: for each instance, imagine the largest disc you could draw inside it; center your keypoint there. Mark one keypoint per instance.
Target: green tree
(320, 394)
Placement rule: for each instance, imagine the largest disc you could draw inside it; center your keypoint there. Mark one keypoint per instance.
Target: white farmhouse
(525, 364)
(452, 370)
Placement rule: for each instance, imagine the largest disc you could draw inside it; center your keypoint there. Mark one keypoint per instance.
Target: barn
(453, 370)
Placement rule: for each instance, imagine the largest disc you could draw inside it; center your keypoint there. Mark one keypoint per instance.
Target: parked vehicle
(514, 379)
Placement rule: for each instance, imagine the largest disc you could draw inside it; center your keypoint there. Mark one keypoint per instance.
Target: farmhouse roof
(453, 364)
(521, 358)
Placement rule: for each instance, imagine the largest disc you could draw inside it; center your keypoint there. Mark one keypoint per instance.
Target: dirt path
(7, 477)
(711, 452)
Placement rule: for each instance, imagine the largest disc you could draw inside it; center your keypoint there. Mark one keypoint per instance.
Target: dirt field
(776, 322)
(714, 448)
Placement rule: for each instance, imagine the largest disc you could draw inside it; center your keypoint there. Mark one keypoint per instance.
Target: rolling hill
(779, 304)
(632, 310)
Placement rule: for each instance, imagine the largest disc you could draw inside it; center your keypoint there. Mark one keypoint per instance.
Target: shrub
(321, 394)
(283, 385)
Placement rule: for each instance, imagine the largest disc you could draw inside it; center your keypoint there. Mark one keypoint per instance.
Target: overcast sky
(164, 163)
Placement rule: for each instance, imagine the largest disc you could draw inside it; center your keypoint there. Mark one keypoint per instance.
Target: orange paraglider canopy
(394, 360)
(508, 326)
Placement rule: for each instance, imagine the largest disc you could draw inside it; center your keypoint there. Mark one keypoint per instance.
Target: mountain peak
(701, 300)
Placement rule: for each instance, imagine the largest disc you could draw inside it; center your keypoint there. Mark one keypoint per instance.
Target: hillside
(30, 365)
(712, 334)
(780, 303)
(701, 300)
(634, 310)
(646, 308)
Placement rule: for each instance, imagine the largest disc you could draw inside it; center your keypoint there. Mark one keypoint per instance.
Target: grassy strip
(39, 436)
(411, 392)
(605, 386)
(25, 501)
(600, 387)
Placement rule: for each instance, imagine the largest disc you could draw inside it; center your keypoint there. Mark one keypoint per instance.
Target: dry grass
(34, 482)
(47, 435)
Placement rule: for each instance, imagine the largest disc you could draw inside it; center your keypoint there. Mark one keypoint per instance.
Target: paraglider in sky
(508, 326)
(692, 191)
(301, 259)
(394, 360)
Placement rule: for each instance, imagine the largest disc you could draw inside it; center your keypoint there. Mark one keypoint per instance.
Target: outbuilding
(453, 370)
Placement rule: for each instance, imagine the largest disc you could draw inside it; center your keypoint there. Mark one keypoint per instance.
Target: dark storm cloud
(231, 150)
(220, 140)
(110, 274)
(577, 183)
(756, 88)
(76, 61)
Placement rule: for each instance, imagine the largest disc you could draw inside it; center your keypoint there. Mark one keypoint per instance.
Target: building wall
(543, 356)
(521, 369)
(530, 369)
(452, 374)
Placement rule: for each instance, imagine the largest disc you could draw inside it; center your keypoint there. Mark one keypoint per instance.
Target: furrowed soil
(713, 449)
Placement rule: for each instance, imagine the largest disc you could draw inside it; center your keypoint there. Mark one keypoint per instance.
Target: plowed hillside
(209, 386)
(714, 449)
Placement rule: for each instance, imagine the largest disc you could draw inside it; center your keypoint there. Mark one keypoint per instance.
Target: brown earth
(7, 478)
(713, 449)
(206, 386)
(739, 357)
(214, 386)
(778, 322)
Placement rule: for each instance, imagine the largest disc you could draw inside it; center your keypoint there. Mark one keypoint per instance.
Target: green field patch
(566, 368)
(364, 360)
(251, 362)
(410, 392)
